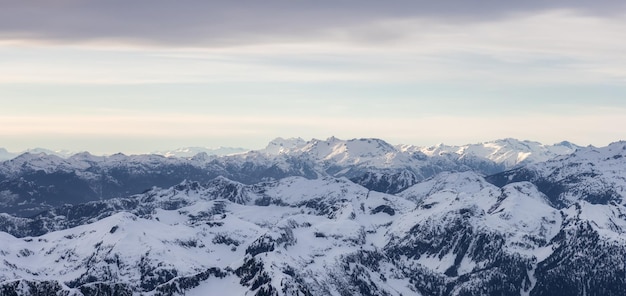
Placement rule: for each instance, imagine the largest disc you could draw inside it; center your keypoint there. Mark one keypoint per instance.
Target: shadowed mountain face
(31, 183)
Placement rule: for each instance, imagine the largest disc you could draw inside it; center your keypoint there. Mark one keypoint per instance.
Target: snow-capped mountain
(452, 234)
(281, 145)
(380, 166)
(6, 155)
(166, 242)
(596, 174)
(63, 153)
(383, 167)
(299, 226)
(42, 181)
(508, 152)
(188, 152)
(33, 182)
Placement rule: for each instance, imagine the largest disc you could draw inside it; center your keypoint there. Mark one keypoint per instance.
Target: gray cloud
(216, 23)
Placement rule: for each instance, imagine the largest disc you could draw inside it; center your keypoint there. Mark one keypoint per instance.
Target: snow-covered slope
(292, 219)
(452, 234)
(6, 155)
(596, 175)
(365, 152)
(41, 181)
(281, 145)
(380, 166)
(507, 152)
(184, 238)
(63, 153)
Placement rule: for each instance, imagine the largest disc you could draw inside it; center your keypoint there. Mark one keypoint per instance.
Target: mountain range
(319, 217)
(33, 182)
(6, 155)
(180, 152)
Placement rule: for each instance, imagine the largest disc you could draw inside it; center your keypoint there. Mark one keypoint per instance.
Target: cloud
(350, 63)
(538, 49)
(222, 23)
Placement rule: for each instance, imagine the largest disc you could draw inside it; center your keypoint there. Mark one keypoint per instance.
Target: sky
(145, 75)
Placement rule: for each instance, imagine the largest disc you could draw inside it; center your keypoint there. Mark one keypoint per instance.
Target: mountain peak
(280, 145)
(567, 144)
(618, 145)
(60, 153)
(6, 155)
(201, 156)
(332, 139)
(85, 155)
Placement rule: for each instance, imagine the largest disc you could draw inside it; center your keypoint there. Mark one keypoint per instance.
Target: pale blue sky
(108, 77)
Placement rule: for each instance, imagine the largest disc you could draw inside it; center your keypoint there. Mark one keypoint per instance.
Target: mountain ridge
(300, 225)
(275, 146)
(41, 181)
(391, 233)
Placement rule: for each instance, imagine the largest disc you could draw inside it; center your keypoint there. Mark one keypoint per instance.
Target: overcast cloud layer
(215, 23)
